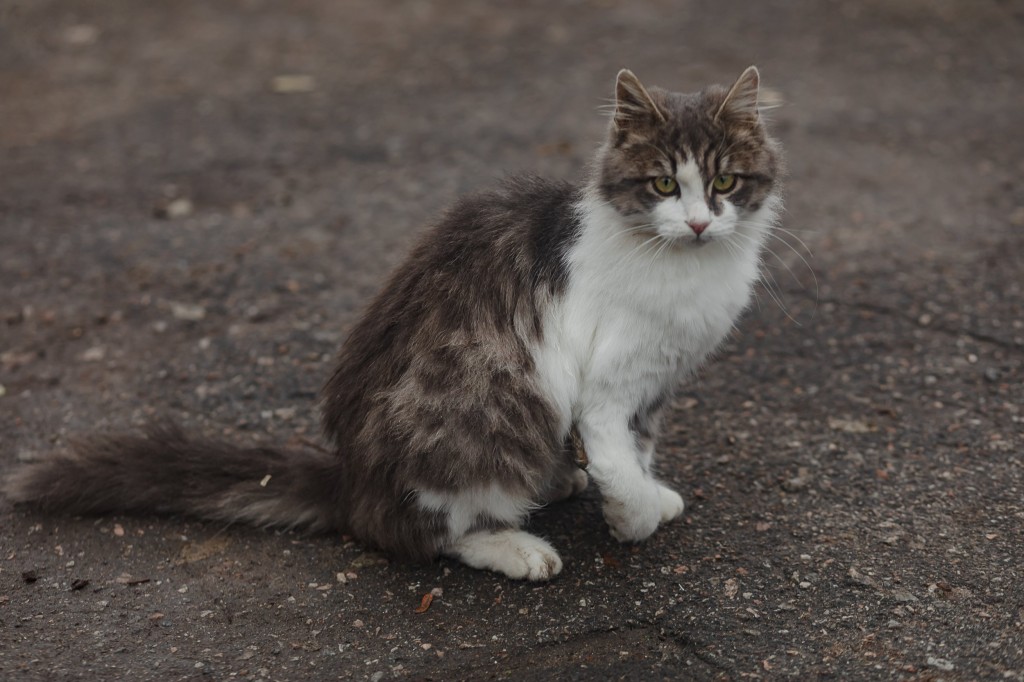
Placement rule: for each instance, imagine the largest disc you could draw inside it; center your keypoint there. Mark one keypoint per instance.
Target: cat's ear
(741, 102)
(633, 104)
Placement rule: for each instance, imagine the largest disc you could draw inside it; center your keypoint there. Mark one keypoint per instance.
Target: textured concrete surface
(183, 232)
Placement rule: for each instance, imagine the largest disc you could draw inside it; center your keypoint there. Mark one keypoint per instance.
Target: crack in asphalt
(889, 311)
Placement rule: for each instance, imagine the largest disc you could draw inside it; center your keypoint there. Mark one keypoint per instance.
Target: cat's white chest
(658, 328)
(631, 325)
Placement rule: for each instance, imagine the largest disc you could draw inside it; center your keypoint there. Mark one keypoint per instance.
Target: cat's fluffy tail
(165, 472)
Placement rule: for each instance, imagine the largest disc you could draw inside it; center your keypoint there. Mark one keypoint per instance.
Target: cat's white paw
(672, 504)
(514, 553)
(636, 521)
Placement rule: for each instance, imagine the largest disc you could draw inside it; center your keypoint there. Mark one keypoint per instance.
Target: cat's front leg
(645, 427)
(634, 502)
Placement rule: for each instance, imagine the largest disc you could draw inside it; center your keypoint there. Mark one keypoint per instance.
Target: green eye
(724, 183)
(665, 185)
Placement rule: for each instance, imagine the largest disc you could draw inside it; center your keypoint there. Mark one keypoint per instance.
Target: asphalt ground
(197, 198)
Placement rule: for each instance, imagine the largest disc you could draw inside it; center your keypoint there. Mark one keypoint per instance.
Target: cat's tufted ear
(633, 104)
(741, 102)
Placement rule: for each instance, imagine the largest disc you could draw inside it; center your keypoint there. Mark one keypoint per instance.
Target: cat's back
(526, 221)
(476, 282)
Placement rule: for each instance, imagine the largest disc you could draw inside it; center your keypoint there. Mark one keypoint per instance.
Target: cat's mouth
(687, 241)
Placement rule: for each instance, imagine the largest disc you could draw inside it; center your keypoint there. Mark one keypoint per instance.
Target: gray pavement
(185, 233)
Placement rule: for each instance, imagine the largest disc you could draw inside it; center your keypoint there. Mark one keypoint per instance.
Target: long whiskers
(771, 284)
(616, 233)
(640, 252)
(769, 230)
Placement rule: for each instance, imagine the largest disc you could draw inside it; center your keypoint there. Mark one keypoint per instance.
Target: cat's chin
(689, 241)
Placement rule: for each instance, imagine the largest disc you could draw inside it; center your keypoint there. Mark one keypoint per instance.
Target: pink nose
(697, 227)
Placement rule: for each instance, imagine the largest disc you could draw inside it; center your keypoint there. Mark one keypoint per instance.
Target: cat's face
(690, 168)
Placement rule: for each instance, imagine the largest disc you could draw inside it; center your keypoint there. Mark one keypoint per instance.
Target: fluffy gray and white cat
(527, 314)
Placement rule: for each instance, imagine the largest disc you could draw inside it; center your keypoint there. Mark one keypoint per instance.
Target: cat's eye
(724, 183)
(666, 185)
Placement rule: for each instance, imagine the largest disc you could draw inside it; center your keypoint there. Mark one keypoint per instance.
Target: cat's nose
(697, 226)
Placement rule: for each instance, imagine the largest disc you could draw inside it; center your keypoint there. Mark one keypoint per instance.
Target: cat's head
(691, 168)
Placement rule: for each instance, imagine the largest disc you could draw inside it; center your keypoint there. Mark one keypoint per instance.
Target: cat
(528, 318)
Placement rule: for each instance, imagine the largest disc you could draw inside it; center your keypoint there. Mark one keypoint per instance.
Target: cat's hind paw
(514, 553)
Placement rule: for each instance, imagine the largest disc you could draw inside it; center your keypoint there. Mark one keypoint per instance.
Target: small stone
(366, 560)
(903, 596)
(857, 578)
(175, 208)
(992, 374)
(187, 311)
(287, 84)
(94, 354)
(81, 35)
(940, 663)
(1017, 216)
(797, 483)
(849, 425)
(285, 412)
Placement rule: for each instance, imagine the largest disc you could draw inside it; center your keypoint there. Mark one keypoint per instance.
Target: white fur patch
(690, 206)
(636, 317)
(673, 215)
(514, 553)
